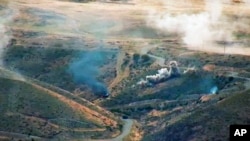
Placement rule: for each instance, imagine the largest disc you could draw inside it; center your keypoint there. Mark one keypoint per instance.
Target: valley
(123, 70)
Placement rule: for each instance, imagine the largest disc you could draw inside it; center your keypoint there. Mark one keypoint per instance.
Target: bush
(145, 58)
(136, 57)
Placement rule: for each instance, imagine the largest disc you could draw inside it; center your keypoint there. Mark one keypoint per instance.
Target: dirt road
(127, 126)
(126, 129)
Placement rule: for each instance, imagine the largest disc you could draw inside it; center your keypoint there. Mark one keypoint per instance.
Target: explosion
(163, 74)
(197, 30)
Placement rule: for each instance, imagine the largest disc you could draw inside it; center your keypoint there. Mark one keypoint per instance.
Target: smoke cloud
(3, 41)
(172, 70)
(197, 30)
(85, 70)
(6, 15)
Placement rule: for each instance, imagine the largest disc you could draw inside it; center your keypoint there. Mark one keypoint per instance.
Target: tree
(145, 58)
(136, 57)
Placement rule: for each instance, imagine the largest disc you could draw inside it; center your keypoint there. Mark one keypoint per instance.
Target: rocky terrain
(123, 69)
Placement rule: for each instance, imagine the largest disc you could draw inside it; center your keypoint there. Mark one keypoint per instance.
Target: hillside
(31, 109)
(209, 123)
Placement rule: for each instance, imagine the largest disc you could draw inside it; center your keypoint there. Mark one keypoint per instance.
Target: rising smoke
(197, 30)
(85, 70)
(86, 67)
(3, 41)
(172, 70)
(6, 15)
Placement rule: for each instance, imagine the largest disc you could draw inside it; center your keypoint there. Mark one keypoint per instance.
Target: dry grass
(89, 114)
(126, 17)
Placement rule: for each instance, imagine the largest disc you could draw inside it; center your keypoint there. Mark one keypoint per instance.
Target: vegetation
(53, 102)
(52, 65)
(210, 123)
(28, 110)
(42, 64)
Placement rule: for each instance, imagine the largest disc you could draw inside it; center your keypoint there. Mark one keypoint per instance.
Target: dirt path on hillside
(126, 130)
(92, 115)
(89, 114)
(5, 73)
(120, 75)
(121, 13)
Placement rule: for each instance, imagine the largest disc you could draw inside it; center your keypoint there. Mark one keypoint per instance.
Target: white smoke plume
(6, 16)
(3, 41)
(246, 1)
(163, 74)
(189, 69)
(197, 29)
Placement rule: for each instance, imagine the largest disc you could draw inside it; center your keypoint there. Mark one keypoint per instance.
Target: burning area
(172, 70)
(85, 70)
(205, 83)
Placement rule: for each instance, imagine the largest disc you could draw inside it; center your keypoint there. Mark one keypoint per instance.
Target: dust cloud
(209, 30)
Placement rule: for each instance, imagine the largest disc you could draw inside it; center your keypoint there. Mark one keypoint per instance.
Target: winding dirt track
(90, 114)
(126, 129)
(136, 10)
(93, 115)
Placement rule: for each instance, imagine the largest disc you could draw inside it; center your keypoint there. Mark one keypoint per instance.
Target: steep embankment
(31, 109)
(210, 123)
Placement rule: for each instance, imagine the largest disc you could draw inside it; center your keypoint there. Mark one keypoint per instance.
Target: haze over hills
(126, 70)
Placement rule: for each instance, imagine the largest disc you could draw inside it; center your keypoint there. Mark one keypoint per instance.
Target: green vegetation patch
(21, 102)
(210, 123)
(51, 65)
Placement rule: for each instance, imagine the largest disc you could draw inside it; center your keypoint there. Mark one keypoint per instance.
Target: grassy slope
(211, 123)
(52, 65)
